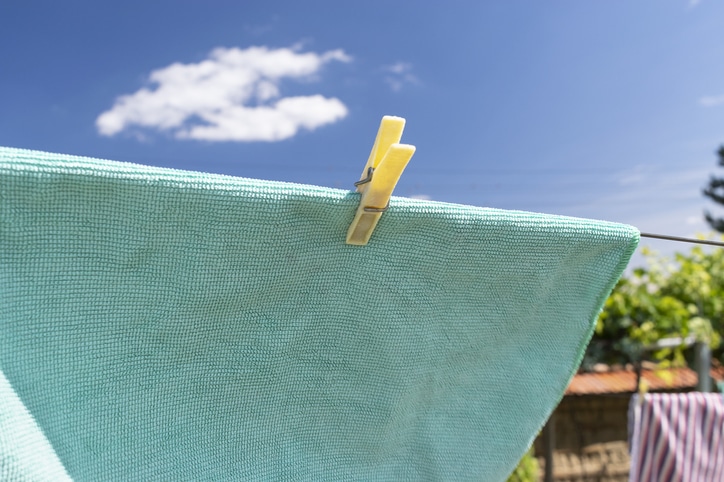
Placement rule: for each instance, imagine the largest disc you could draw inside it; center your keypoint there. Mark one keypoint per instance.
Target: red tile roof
(624, 381)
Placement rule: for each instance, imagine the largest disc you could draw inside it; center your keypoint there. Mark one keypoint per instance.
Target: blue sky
(607, 110)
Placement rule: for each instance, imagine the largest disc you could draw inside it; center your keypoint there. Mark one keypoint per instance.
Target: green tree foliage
(527, 469)
(671, 298)
(715, 192)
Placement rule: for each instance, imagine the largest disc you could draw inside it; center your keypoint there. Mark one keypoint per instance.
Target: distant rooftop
(623, 380)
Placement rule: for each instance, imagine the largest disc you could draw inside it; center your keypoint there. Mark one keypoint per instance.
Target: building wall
(591, 434)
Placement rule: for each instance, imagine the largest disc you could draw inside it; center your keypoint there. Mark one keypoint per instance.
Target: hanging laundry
(158, 324)
(677, 437)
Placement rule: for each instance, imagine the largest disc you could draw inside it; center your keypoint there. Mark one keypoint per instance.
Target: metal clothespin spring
(376, 210)
(367, 179)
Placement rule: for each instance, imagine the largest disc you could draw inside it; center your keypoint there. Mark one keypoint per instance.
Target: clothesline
(682, 240)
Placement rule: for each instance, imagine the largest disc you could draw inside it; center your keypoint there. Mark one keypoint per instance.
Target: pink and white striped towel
(677, 437)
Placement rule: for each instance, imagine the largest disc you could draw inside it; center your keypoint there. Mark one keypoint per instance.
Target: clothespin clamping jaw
(383, 169)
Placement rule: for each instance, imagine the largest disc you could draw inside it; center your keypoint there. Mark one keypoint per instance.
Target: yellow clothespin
(379, 178)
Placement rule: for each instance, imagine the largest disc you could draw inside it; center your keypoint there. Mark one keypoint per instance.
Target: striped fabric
(677, 437)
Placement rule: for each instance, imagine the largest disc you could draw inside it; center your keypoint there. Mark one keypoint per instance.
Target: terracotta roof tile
(624, 381)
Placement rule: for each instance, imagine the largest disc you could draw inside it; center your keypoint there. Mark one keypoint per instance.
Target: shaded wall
(591, 433)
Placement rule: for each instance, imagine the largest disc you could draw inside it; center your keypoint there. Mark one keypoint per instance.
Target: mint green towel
(167, 325)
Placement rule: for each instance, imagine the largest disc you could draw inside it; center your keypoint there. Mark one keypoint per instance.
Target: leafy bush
(527, 469)
(671, 298)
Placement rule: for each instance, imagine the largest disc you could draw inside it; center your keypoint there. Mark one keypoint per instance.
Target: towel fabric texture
(157, 324)
(677, 437)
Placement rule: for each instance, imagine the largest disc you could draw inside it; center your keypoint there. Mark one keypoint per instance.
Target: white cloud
(712, 100)
(637, 175)
(399, 74)
(233, 95)
(422, 197)
(399, 68)
(665, 201)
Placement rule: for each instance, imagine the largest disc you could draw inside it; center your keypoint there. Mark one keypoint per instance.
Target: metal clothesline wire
(682, 240)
